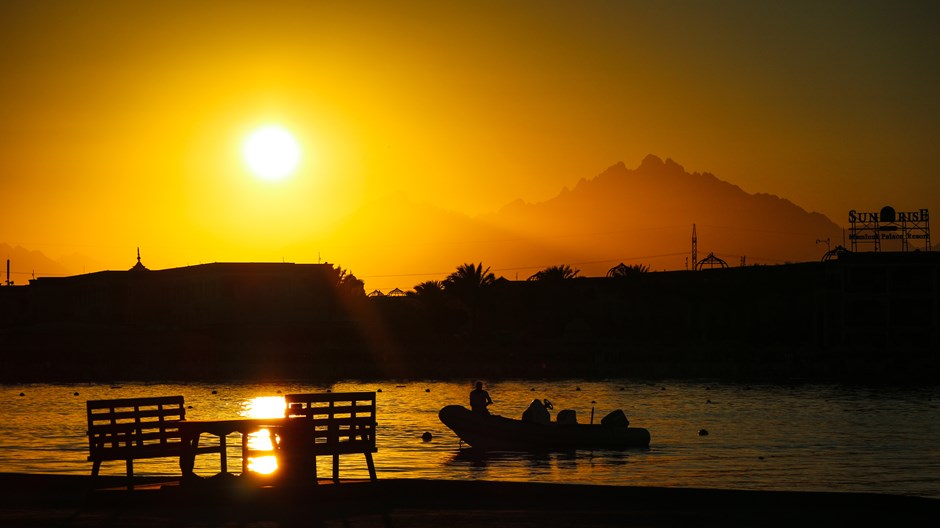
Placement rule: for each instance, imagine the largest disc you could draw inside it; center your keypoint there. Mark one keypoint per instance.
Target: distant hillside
(647, 214)
(637, 216)
(644, 215)
(24, 263)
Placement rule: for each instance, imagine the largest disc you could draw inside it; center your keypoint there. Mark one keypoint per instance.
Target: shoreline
(43, 500)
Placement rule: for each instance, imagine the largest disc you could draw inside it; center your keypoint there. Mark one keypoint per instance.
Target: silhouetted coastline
(869, 318)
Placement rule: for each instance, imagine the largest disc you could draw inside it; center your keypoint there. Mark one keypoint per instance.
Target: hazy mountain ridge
(649, 211)
(24, 262)
(643, 215)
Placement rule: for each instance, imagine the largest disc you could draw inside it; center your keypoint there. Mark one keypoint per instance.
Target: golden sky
(122, 123)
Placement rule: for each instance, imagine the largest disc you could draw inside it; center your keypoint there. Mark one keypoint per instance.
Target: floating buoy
(426, 436)
(577, 388)
(427, 390)
(189, 406)
(75, 393)
(703, 432)
(708, 401)
(22, 394)
(215, 392)
(664, 388)
(329, 390)
(378, 390)
(532, 389)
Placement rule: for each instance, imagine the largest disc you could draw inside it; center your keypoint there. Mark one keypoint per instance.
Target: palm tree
(429, 289)
(467, 282)
(348, 283)
(469, 278)
(622, 270)
(465, 285)
(556, 273)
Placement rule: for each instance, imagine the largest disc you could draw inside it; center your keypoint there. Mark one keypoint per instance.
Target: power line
(516, 268)
(40, 273)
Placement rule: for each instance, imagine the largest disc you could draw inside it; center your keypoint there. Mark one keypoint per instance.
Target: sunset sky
(122, 124)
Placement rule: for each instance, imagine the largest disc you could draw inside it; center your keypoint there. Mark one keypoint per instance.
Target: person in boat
(479, 399)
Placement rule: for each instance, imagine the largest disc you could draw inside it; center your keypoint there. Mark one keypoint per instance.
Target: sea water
(805, 437)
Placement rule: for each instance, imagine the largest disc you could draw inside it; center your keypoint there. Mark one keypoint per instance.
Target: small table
(191, 430)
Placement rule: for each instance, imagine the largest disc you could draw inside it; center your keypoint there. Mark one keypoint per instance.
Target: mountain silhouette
(24, 263)
(644, 215)
(637, 216)
(648, 213)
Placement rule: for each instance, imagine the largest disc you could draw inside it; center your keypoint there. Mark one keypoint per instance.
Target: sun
(271, 153)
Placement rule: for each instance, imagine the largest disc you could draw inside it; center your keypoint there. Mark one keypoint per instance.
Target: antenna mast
(694, 248)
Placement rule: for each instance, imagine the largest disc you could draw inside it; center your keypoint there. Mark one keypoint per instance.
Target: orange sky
(121, 122)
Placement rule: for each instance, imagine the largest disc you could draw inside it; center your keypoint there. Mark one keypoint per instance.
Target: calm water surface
(761, 437)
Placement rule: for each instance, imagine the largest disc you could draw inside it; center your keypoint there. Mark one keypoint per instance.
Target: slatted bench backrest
(343, 422)
(129, 428)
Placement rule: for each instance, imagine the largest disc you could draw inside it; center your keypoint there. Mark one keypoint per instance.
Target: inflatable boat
(492, 432)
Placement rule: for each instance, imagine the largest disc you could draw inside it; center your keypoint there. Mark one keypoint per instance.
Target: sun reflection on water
(263, 407)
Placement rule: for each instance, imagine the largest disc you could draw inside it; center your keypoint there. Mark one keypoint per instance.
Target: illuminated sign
(870, 228)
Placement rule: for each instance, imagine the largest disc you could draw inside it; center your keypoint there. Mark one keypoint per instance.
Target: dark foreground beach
(67, 500)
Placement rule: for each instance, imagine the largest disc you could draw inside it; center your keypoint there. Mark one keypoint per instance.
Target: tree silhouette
(555, 273)
(348, 283)
(468, 280)
(466, 285)
(429, 289)
(622, 270)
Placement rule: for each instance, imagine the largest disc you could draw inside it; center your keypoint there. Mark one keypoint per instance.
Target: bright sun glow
(271, 153)
(263, 407)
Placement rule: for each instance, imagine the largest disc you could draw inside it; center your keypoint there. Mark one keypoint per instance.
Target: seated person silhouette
(479, 399)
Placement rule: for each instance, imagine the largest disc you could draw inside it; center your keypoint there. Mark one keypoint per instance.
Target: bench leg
(95, 467)
(188, 456)
(371, 465)
(336, 468)
(130, 474)
(223, 451)
(245, 450)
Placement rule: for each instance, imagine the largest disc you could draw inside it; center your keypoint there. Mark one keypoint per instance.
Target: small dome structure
(139, 266)
(711, 261)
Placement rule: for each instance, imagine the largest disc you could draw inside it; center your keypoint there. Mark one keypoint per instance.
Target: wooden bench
(135, 428)
(332, 423)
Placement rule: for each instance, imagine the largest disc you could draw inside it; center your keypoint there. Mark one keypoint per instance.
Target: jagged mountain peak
(648, 210)
(653, 175)
(653, 164)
